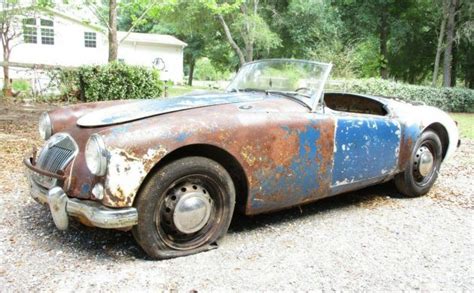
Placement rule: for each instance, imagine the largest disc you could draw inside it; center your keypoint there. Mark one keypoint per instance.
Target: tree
(374, 18)
(448, 51)
(244, 28)
(196, 26)
(112, 28)
(108, 17)
(439, 47)
(10, 26)
(465, 40)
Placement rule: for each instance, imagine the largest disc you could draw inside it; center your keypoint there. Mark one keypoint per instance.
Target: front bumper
(88, 212)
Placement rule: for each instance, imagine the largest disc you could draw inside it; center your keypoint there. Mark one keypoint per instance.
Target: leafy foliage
(113, 81)
(205, 70)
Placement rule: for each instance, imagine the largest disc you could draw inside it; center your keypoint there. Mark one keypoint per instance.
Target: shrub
(113, 81)
(448, 99)
(21, 85)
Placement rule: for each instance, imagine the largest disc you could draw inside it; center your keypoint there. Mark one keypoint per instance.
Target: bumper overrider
(63, 207)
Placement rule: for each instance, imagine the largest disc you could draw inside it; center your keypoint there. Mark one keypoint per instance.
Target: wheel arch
(215, 153)
(443, 135)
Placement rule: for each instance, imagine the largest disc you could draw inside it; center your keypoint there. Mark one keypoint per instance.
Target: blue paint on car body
(365, 148)
(85, 189)
(146, 108)
(182, 136)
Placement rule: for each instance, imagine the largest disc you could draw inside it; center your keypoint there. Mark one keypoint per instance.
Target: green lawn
(465, 124)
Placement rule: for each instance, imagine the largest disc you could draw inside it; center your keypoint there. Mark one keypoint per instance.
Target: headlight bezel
(96, 155)
(45, 127)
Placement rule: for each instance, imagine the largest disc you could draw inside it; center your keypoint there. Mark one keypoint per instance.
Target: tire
(184, 208)
(420, 176)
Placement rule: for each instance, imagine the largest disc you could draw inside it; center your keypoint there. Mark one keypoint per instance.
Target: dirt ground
(370, 239)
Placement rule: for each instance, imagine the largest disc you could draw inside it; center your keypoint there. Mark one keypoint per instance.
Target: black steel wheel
(423, 168)
(184, 208)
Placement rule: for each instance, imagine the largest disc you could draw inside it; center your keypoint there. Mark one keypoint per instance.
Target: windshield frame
(317, 95)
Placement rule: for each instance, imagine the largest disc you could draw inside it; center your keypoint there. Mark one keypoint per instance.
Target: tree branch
(95, 11)
(138, 20)
(231, 41)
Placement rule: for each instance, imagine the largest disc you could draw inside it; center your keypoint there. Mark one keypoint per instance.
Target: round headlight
(96, 155)
(44, 126)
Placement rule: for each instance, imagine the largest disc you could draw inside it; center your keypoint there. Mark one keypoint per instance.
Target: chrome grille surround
(58, 151)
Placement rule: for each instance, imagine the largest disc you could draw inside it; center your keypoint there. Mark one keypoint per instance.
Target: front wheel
(184, 208)
(423, 167)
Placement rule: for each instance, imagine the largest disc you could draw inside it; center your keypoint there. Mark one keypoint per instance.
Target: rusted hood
(135, 110)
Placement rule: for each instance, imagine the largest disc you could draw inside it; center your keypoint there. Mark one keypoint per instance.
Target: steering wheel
(307, 91)
(303, 89)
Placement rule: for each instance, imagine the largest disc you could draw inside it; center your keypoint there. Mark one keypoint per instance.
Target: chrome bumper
(62, 207)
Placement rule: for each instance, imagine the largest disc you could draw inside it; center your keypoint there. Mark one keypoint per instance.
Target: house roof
(151, 38)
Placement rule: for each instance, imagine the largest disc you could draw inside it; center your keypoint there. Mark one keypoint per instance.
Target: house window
(90, 39)
(31, 27)
(47, 32)
(29, 31)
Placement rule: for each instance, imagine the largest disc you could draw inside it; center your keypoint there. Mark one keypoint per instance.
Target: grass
(465, 124)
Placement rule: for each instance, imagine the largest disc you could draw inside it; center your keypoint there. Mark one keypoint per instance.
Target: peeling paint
(368, 149)
(288, 155)
(124, 174)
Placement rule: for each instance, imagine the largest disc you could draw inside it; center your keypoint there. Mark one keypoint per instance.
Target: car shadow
(88, 242)
(370, 196)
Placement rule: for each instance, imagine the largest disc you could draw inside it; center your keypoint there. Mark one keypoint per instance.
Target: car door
(366, 149)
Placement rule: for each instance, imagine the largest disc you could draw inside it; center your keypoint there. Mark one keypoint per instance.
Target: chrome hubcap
(192, 210)
(424, 161)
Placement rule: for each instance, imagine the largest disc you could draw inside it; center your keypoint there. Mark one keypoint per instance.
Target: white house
(54, 38)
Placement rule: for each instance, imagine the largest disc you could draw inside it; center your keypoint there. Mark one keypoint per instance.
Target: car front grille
(58, 151)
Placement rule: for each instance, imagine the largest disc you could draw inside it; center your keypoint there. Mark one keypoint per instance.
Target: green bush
(448, 99)
(21, 85)
(113, 81)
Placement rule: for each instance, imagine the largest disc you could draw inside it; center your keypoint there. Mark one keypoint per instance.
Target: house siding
(69, 50)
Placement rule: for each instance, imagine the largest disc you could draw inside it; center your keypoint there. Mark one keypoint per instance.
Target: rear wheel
(184, 208)
(423, 167)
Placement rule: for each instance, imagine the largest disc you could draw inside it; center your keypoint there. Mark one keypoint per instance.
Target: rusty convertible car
(173, 170)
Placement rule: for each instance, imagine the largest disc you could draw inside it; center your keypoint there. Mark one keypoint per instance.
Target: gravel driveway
(371, 239)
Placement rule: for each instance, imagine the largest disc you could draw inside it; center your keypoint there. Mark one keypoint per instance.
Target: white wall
(145, 54)
(69, 50)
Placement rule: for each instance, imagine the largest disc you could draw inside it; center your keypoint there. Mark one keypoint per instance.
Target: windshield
(299, 79)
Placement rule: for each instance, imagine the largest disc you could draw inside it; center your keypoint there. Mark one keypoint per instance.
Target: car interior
(353, 104)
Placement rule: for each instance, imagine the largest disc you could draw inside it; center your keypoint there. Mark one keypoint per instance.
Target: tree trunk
(383, 38)
(113, 44)
(7, 86)
(469, 69)
(231, 41)
(191, 72)
(439, 48)
(448, 51)
(454, 59)
(249, 52)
